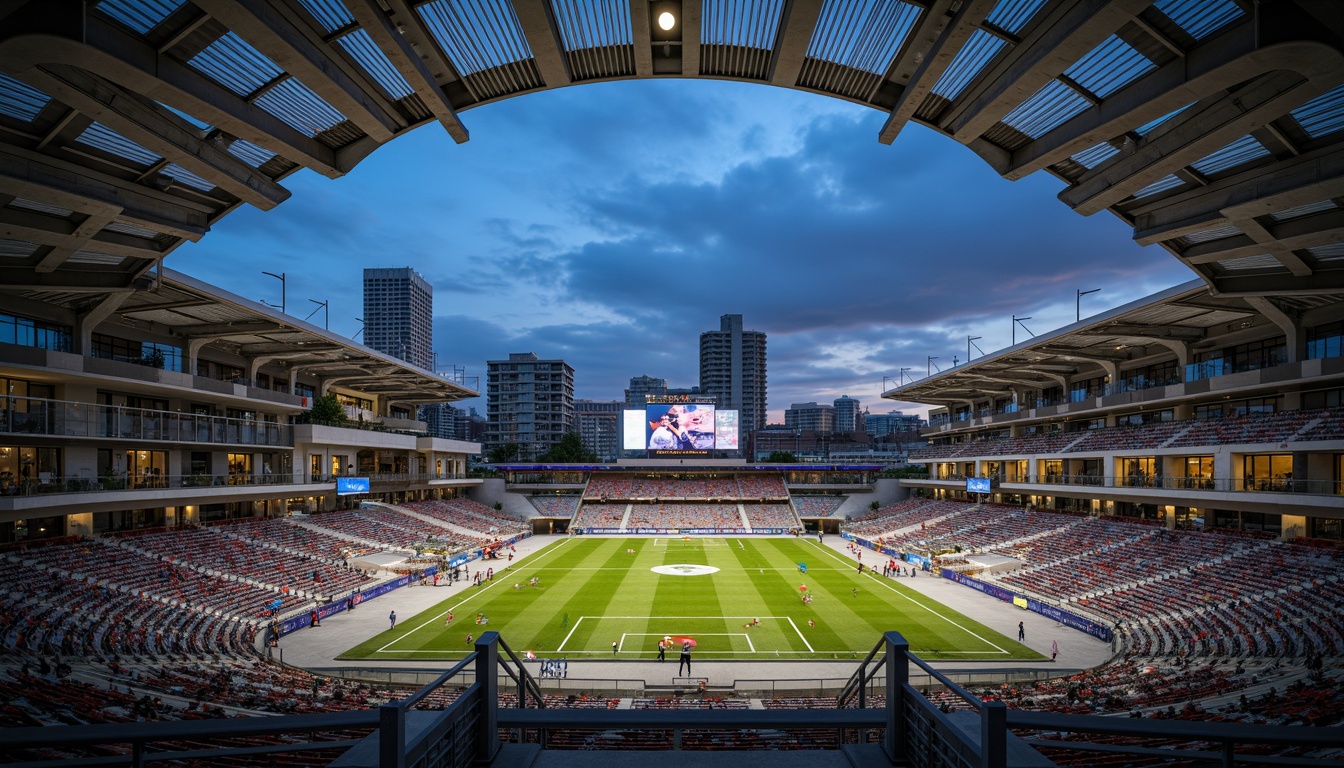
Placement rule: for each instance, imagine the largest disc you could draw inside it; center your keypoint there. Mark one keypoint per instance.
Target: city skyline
(597, 225)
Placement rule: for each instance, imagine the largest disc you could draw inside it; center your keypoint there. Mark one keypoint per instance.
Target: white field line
(800, 634)
(475, 592)
(568, 634)
(893, 589)
(750, 645)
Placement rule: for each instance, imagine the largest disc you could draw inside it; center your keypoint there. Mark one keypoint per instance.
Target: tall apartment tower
(529, 402)
(641, 387)
(598, 423)
(848, 414)
(732, 370)
(399, 315)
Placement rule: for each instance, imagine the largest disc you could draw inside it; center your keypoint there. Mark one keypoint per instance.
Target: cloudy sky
(610, 224)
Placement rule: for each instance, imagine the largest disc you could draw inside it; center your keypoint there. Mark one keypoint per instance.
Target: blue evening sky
(610, 224)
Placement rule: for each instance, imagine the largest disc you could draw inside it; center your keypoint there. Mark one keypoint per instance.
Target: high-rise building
(848, 415)
(881, 424)
(810, 417)
(599, 424)
(399, 315)
(642, 386)
(529, 402)
(732, 370)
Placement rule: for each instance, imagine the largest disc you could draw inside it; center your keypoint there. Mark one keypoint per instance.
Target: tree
(502, 453)
(781, 457)
(569, 450)
(327, 411)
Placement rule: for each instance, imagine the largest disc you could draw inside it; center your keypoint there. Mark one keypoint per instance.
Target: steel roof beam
(158, 130)
(797, 23)
(293, 45)
(1231, 57)
(942, 32)
(70, 281)
(409, 63)
(40, 177)
(543, 37)
(1300, 180)
(94, 44)
(62, 233)
(691, 11)
(224, 330)
(1182, 332)
(642, 37)
(1206, 128)
(1064, 35)
(1259, 283)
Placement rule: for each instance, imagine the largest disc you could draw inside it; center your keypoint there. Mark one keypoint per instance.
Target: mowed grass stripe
(933, 629)
(767, 583)
(596, 577)
(597, 595)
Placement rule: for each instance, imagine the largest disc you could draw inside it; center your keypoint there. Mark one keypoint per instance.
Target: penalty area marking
(898, 593)
(621, 647)
(750, 644)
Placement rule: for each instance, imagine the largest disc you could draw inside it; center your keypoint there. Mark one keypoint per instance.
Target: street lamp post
(1018, 321)
(1078, 303)
(283, 281)
(326, 316)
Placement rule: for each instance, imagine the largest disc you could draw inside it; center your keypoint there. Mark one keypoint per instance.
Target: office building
(529, 403)
(883, 424)
(810, 417)
(732, 370)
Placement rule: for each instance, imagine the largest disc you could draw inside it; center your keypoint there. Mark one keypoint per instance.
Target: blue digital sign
(348, 486)
(977, 485)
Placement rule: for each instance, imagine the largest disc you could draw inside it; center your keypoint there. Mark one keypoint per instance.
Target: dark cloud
(611, 224)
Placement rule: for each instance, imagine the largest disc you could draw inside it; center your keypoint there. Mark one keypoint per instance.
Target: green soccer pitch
(593, 592)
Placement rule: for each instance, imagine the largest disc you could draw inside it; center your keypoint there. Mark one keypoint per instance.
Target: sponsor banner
(1099, 631)
(1060, 615)
(336, 606)
(462, 559)
(923, 562)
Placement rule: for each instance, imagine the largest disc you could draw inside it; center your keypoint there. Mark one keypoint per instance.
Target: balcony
(60, 418)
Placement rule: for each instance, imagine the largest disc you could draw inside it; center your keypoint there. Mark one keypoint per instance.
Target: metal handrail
(523, 679)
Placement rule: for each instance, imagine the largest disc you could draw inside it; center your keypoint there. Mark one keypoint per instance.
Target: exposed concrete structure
(1214, 130)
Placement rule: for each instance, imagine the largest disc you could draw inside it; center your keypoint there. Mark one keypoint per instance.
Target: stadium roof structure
(1215, 128)
(201, 315)
(1184, 319)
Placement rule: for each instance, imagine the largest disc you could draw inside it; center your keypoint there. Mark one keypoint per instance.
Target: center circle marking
(684, 569)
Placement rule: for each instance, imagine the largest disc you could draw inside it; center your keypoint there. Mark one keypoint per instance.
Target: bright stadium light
(666, 21)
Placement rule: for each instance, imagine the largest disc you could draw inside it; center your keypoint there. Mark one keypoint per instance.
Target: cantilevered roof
(1188, 318)
(1215, 128)
(190, 311)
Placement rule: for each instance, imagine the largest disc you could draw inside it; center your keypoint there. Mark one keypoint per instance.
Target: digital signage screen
(633, 431)
(725, 430)
(679, 427)
(978, 485)
(348, 486)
